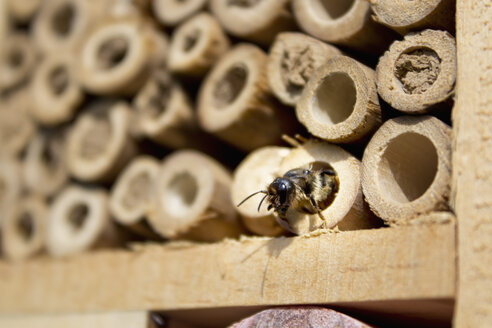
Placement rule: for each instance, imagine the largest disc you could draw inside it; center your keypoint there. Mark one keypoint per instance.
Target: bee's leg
(318, 211)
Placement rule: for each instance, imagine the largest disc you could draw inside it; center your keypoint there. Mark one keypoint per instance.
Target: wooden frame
(411, 262)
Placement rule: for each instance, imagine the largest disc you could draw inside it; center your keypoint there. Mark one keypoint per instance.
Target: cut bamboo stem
(45, 169)
(118, 56)
(79, 220)
(404, 16)
(342, 22)
(132, 192)
(126, 8)
(340, 102)
(255, 173)
(348, 211)
(17, 60)
(16, 126)
(406, 168)
(4, 20)
(258, 21)
(56, 93)
(24, 229)
(292, 59)
(173, 12)
(62, 25)
(165, 115)
(301, 316)
(22, 11)
(11, 184)
(192, 199)
(419, 73)
(236, 105)
(99, 145)
(196, 46)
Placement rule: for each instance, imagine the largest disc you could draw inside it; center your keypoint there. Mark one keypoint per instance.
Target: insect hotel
(245, 163)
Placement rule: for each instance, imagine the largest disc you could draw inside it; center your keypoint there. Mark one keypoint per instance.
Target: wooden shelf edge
(403, 263)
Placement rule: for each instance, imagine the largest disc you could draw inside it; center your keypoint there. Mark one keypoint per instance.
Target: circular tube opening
(3, 189)
(296, 67)
(334, 98)
(25, 226)
(230, 86)
(58, 79)
(48, 157)
(159, 94)
(243, 3)
(96, 138)
(181, 193)
(112, 52)
(330, 10)
(78, 215)
(408, 167)
(191, 39)
(63, 20)
(417, 69)
(15, 57)
(138, 190)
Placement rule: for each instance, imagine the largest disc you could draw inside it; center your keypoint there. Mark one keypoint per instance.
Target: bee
(306, 190)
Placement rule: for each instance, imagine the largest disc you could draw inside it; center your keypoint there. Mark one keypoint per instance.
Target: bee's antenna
(291, 141)
(261, 202)
(258, 192)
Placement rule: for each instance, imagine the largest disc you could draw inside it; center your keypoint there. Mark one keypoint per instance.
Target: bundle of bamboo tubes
(124, 120)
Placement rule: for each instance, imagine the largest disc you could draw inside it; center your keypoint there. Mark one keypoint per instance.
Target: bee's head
(279, 192)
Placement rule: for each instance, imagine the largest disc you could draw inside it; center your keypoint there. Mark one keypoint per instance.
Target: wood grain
(472, 162)
(413, 262)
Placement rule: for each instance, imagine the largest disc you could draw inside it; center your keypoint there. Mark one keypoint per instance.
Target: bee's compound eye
(306, 172)
(282, 187)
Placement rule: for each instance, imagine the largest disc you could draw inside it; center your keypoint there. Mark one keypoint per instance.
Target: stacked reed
(157, 118)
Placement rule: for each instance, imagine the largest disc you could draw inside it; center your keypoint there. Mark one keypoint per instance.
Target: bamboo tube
(348, 211)
(340, 102)
(299, 316)
(235, 103)
(17, 60)
(292, 59)
(173, 12)
(258, 21)
(254, 173)
(342, 22)
(11, 184)
(23, 11)
(56, 94)
(24, 229)
(164, 113)
(419, 73)
(62, 25)
(192, 199)
(4, 20)
(132, 193)
(79, 220)
(118, 56)
(405, 16)
(196, 46)
(16, 127)
(45, 169)
(99, 144)
(406, 168)
(126, 8)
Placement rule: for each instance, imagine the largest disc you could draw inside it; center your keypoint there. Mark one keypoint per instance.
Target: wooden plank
(137, 319)
(472, 162)
(411, 262)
